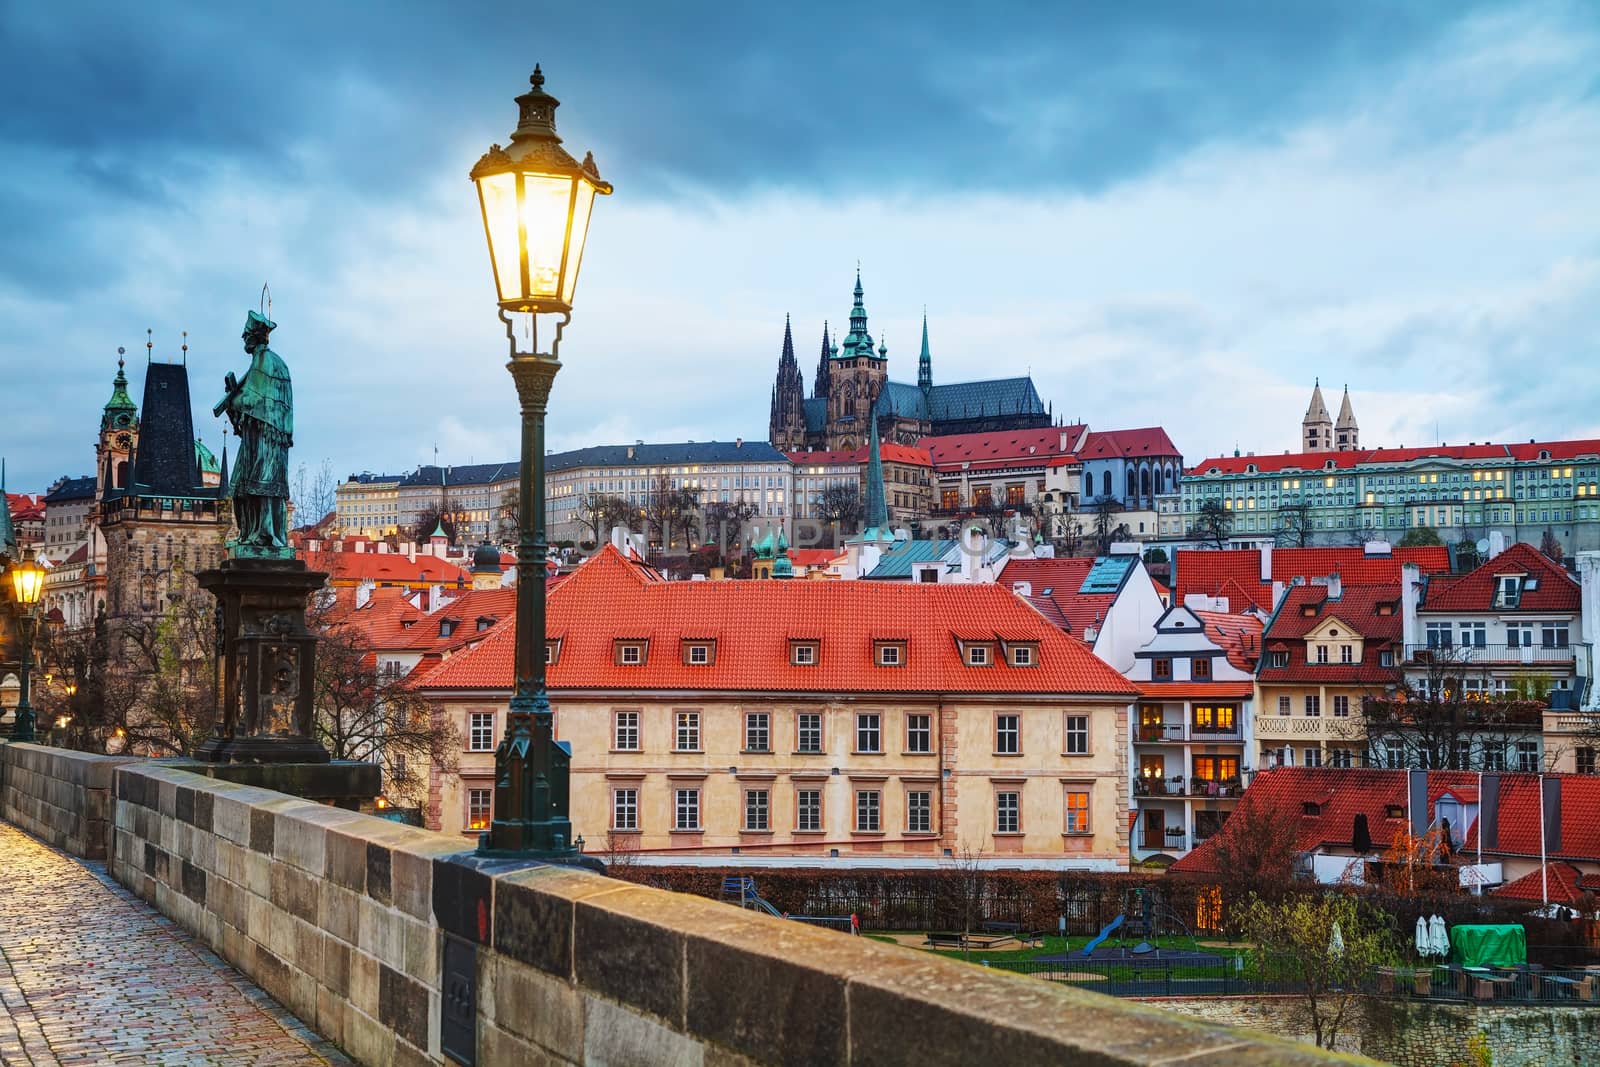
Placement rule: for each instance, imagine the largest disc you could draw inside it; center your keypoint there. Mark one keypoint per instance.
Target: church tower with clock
(119, 434)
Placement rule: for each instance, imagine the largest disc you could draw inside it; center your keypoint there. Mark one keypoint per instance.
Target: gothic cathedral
(852, 385)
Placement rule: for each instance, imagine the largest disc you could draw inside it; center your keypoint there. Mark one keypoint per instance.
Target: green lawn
(1055, 946)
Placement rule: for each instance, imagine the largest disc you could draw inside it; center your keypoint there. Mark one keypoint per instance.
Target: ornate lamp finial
(536, 79)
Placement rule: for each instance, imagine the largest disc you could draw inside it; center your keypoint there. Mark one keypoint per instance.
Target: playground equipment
(741, 890)
(1146, 916)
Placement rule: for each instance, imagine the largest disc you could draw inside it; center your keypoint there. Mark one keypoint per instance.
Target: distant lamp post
(536, 201)
(27, 586)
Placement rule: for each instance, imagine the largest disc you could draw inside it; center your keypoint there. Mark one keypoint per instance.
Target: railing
(991, 508)
(1340, 726)
(1163, 842)
(1215, 733)
(1490, 655)
(1158, 787)
(1208, 787)
(1160, 732)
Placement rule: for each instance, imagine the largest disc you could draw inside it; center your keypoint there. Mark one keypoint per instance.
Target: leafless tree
(433, 517)
(671, 509)
(509, 520)
(158, 694)
(1294, 526)
(599, 512)
(1550, 545)
(724, 522)
(1213, 524)
(968, 879)
(1106, 527)
(314, 492)
(842, 507)
(1439, 721)
(1254, 851)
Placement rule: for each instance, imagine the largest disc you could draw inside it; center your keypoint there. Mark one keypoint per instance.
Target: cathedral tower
(787, 424)
(1346, 435)
(1316, 429)
(856, 374)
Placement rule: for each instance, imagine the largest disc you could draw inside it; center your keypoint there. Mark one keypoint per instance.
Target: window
(1313, 757)
(1283, 705)
(686, 809)
(552, 649)
(977, 655)
(1519, 635)
(803, 654)
(1008, 812)
(480, 731)
(1346, 654)
(1077, 735)
(1008, 734)
(1394, 753)
(699, 655)
(1077, 811)
(1474, 635)
(1022, 656)
(808, 809)
(1313, 706)
(809, 727)
(1278, 659)
(868, 807)
(630, 655)
(919, 812)
(1528, 757)
(1585, 758)
(625, 809)
(1386, 658)
(1553, 634)
(480, 808)
(1339, 757)
(688, 732)
(889, 656)
(1200, 669)
(1341, 707)
(1508, 590)
(869, 734)
(1439, 635)
(1322, 653)
(627, 731)
(757, 732)
(1161, 669)
(919, 733)
(756, 807)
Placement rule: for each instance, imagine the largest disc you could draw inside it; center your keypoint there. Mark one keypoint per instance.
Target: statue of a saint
(261, 409)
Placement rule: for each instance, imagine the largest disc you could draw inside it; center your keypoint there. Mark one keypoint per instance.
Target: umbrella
(1424, 937)
(1336, 943)
(1438, 936)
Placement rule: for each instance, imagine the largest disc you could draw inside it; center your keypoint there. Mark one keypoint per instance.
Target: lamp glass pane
(498, 193)
(580, 230)
(545, 200)
(27, 582)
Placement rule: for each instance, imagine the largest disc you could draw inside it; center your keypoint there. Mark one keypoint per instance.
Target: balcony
(1215, 788)
(1158, 787)
(1207, 734)
(1160, 733)
(1539, 655)
(1164, 842)
(1341, 727)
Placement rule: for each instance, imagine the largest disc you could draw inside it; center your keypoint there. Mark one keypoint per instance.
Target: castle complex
(852, 382)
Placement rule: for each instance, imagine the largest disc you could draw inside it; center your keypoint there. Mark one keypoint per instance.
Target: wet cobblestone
(90, 974)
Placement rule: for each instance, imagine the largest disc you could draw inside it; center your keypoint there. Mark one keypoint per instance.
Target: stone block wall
(348, 919)
(59, 796)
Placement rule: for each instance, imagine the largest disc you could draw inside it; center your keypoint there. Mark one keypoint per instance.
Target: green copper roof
(925, 361)
(877, 509)
(858, 342)
(206, 458)
(120, 404)
(438, 531)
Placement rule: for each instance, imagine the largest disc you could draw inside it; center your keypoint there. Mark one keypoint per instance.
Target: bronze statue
(261, 409)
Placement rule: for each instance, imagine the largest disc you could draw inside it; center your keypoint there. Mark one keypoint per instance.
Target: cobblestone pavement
(90, 974)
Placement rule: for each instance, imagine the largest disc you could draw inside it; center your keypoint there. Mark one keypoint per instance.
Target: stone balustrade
(390, 940)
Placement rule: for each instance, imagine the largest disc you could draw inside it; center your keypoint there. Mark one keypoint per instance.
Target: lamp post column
(531, 789)
(23, 729)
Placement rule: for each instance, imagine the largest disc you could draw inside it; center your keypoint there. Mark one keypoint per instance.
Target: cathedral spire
(858, 342)
(820, 388)
(8, 531)
(925, 361)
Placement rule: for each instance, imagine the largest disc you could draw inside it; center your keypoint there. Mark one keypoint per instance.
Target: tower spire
(819, 388)
(925, 360)
(119, 410)
(877, 510)
(858, 342)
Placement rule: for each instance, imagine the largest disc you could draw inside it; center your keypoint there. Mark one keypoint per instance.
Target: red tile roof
(388, 567)
(1315, 461)
(1357, 607)
(1000, 448)
(608, 599)
(888, 452)
(1210, 571)
(1341, 793)
(1475, 590)
(1063, 605)
(1562, 885)
(1239, 636)
(813, 557)
(1145, 441)
(1196, 690)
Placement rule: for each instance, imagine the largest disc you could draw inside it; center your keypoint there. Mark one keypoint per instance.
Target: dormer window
(891, 653)
(1024, 656)
(1385, 609)
(447, 627)
(699, 653)
(1508, 590)
(1279, 659)
(630, 653)
(1310, 807)
(977, 655)
(803, 653)
(1394, 811)
(552, 652)
(1308, 610)
(484, 622)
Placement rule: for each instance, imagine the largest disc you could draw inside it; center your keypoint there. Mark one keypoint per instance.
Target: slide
(763, 905)
(1110, 928)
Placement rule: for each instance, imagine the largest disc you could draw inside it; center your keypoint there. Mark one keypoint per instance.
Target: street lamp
(27, 585)
(536, 200)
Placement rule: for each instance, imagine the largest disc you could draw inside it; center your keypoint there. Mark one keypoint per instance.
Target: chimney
(1022, 588)
(619, 539)
(1266, 563)
(738, 442)
(1417, 801)
(1589, 607)
(313, 545)
(358, 547)
(364, 592)
(1550, 804)
(383, 548)
(1063, 441)
(1410, 597)
(1335, 587)
(1497, 543)
(1489, 812)
(972, 544)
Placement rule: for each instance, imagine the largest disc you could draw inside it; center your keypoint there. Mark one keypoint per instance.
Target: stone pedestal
(268, 663)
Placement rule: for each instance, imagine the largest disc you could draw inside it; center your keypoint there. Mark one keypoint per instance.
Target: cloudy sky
(1169, 213)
